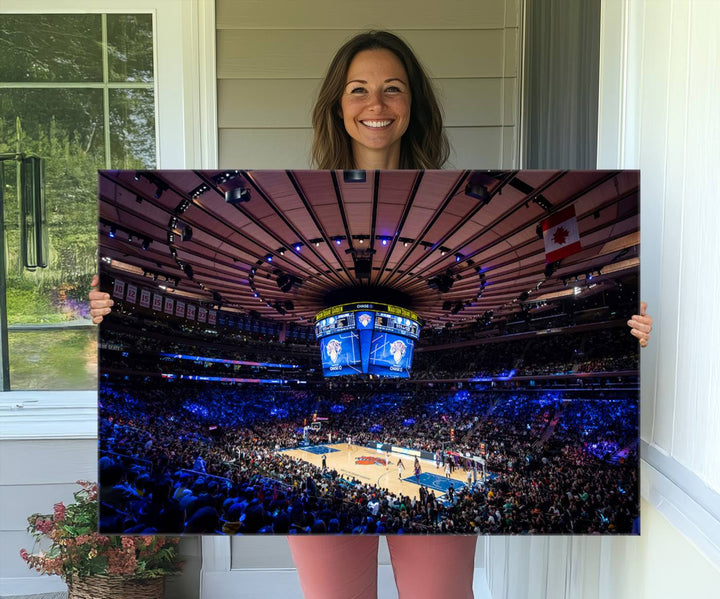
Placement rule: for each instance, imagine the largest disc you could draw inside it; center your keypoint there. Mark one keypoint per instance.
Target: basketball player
(401, 469)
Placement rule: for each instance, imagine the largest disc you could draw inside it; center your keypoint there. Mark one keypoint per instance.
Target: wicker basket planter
(116, 587)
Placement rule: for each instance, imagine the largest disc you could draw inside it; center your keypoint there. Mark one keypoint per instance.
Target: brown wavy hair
(424, 145)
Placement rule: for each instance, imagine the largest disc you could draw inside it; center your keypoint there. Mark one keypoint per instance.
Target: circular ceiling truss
(452, 246)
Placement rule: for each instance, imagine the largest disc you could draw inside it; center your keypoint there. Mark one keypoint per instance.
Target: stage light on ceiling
(297, 247)
(112, 233)
(543, 203)
(354, 176)
(159, 189)
(269, 258)
(477, 187)
(146, 243)
(237, 196)
(458, 257)
(182, 206)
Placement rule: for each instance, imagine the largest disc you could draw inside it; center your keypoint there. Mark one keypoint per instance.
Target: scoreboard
(397, 324)
(367, 338)
(335, 324)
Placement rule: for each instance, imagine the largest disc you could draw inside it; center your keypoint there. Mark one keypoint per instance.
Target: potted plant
(95, 565)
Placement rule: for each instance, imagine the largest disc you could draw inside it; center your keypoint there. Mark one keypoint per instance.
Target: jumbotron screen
(367, 339)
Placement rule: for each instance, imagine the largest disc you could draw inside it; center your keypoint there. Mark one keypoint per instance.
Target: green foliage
(78, 550)
(66, 127)
(54, 359)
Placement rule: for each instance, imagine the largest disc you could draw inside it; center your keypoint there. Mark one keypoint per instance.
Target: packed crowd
(196, 458)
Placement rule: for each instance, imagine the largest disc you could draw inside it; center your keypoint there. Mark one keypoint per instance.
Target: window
(77, 90)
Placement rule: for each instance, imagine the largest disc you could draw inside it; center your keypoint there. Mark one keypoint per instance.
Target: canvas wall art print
(369, 352)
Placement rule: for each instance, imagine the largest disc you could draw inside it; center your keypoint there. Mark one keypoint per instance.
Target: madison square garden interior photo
(369, 352)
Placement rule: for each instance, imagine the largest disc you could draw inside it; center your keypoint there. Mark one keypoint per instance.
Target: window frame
(184, 41)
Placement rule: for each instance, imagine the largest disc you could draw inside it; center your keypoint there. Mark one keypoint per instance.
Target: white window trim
(677, 492)
(185, 78)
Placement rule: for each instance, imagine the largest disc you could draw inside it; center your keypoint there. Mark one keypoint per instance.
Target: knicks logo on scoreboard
(364, 319)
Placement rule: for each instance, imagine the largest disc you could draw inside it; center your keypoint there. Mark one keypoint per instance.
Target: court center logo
(369, 460)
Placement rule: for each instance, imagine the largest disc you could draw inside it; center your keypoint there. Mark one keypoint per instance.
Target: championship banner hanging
(180, 309)
(560, 234)
(169, 305)
(212, 316)
(119, 289)
(157, 302)
(145, 298)
(190, 312)
(202, 314)
(131, 294)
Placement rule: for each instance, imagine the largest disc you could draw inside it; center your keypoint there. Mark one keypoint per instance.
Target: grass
(54, 359)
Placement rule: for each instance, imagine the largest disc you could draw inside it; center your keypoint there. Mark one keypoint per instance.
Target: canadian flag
(560, 233)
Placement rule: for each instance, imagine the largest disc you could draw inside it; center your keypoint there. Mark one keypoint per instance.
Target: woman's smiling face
(375, 106)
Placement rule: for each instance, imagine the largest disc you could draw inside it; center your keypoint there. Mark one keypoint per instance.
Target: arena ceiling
(452, 246)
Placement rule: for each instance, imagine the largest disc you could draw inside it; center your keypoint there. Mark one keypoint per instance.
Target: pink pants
(345, 567)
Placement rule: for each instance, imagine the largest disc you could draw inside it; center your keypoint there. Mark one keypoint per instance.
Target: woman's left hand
(641, 325)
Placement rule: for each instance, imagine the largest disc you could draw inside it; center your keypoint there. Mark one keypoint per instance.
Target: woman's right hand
(100, 302)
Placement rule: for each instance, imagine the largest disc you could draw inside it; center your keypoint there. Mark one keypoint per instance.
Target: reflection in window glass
(54, 359)
(132, 128)
(65, 127)
(51, 120)
(130, 44)
(37, 48)
(52, 341)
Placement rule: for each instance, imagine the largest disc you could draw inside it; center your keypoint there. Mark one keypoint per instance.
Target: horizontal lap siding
(270, 66)
(36, 475)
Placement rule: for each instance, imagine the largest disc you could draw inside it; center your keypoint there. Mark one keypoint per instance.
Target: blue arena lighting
(224, 361)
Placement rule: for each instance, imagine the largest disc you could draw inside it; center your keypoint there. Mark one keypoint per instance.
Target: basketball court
(368, 466)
